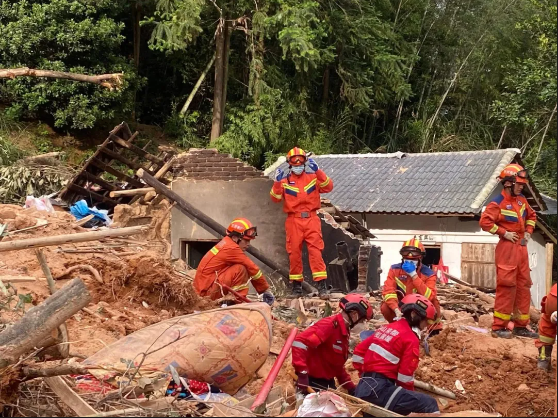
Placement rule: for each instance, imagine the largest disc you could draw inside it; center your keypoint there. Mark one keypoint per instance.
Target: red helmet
(412, 249)
(356, 302)
(296, 156)
(421, 305)
(243, 228)
(514, 173)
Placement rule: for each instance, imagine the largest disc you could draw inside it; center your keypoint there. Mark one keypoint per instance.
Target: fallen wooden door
(477, 264)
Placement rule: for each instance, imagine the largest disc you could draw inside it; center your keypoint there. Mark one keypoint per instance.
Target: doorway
(432, 257)
(193, 251)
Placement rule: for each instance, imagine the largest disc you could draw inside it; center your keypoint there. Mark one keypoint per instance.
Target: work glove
(409, 267)
(303, 382)
(511, 236)
(268, 297)
(527, 236)
(398, 314)
(279, 174)
(312, 164)
(553, 317)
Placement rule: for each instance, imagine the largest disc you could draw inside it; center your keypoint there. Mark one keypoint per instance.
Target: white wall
(449, 233)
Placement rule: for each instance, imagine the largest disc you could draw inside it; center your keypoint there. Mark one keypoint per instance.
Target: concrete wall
(224, 200)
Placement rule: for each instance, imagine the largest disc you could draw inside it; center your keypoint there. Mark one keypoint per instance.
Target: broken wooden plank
(429, 387)
(135, 149)
(84, 220)
(92, 178)
(18, 279)
(121, 158)
(69, 397)
(131, 192)
(121, 176)
(61, 370)
(86, 192)
(68, 238)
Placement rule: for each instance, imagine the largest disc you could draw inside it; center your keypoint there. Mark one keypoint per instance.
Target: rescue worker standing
(300, 192)
(408, 277)
(227, 264)
(511, 218)
(387, 361)
(547, 329)
(320, 352)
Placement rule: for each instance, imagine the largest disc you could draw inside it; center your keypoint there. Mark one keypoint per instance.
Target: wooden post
(131, 192)
(38, 323)
(70, 238)
(549, 265)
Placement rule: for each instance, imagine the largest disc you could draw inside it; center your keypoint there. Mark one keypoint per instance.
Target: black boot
(524, 332)
(545, 353)
(323, 293)
(502, 333)
(297, 288)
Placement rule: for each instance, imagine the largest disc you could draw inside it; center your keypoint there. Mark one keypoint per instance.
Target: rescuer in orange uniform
(300, 192)
(408, 277)
(547, 329)
(227, 264)
(511, 218)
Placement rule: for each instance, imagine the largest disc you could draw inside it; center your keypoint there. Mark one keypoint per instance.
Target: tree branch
(110, 81)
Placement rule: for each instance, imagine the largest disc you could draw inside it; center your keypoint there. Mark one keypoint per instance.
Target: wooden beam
(133, 165)
(131, 192)
(97, 180)
(135, 149)
(548, 233)
(86, 192)
(69, 397)
(69, 238)
(98, 163)
(17, 279)
(549, 265)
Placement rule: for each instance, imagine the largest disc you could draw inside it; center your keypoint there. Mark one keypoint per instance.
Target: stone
(485, 321)
(24, 221)
(449, 315)
(7, 213)
(523, 387)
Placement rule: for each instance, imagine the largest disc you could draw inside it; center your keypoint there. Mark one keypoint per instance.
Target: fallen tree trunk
(70, 238)
(110, 81)
(40, 321)
(210, 224)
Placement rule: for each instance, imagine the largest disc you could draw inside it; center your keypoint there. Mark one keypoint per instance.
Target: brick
(231, 160)
(209, 151)
(221, 155)
(246, 168)
(226, 173)
(236, 174)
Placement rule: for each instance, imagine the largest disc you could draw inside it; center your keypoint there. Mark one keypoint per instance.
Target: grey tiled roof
(550, 204)
(436, 183)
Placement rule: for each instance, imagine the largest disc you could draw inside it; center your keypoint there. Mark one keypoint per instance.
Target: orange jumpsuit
(227, 264)
(399, 284)
(513, 275)
(301, 199)
(547, 330)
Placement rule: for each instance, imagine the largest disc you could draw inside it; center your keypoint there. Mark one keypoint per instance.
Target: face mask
(417, 331)
(415, 262)
(298, 170)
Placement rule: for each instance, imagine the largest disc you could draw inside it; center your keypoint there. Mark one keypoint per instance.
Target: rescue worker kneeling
(547, 329)
(320, 352)
(387, 361)
(227, 264)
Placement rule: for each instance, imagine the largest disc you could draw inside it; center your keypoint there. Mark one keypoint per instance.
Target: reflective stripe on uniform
(294, 189)
(358, 359)
(401, 284)
(494, 229)
(325, 183)
(319, 274)
(501, 315)
(240, 287)
(337, 347)
(531, 223)
(427, 293)
(295, 276)
(276, 196)
(390, 296)
(544, 339)
(404, 378)
(300, 345)
(522, 317)
(511, 213)
(384, 353)
(214, 250)
(312, 183)
(257, 275)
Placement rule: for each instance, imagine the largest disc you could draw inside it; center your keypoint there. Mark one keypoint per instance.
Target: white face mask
(298, 170)
(415, 262)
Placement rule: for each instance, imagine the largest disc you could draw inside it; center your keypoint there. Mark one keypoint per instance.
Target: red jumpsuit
(322, 350)
(227, 264)
(513, 275)
(399, 284)
(547, 330)
(301, 199)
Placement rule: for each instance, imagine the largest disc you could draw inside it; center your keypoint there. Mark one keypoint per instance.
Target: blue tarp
(81, 210)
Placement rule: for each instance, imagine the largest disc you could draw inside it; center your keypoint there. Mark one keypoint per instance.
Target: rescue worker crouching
(408, 277)
(387, 360)
(511, 218)
(300, 193)
(227, 264)
(320, 352)
(547, 329)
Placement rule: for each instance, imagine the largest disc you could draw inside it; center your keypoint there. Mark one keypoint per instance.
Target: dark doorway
(432, 257)
(193, 251)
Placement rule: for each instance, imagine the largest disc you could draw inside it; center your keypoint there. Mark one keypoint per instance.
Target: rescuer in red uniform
(547, 329)
(511, 218)
(300, 192)
(227, 264)
(387, 360)
(408, 277)
(320, 352)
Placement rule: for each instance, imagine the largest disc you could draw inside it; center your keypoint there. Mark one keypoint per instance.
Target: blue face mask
(298, 170)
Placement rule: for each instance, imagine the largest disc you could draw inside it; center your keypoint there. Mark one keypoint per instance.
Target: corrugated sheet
(436, 183)
(551, 206)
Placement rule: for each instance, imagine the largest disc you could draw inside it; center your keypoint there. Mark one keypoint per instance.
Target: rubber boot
(545, 355)
(524, 332)
(297, 288)
(502, 333)
(323, 293)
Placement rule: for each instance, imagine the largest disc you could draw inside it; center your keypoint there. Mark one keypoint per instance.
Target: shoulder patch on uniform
(498, 199)
(427, 271)
(396, 266)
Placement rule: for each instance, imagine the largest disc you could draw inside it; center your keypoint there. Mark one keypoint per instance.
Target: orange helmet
(421, 305)
(243, 228)
(514, 173)
(412, 249)
(296, 156)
